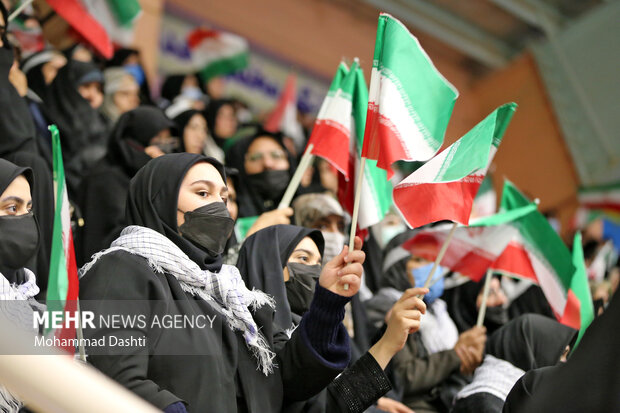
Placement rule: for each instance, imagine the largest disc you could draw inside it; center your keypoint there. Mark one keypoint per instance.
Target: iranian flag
(538, 253)
(581, 290)
(332, 129)
(604, 198)
(376, 192)
(117, 17)
(410, 102)
(62, 290)
(473, 249)
(444, 188)
(216, 53)
(84, 24)
(283, 118)
(485, 202)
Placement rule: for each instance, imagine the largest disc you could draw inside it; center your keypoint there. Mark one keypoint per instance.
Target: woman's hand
(404, 319)
(345, 268)
(392, 406)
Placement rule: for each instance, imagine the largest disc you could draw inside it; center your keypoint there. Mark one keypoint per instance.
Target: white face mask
(388, 232)
(334, 241)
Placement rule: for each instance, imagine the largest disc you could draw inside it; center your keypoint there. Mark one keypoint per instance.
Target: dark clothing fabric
(478, 403)
(103, 193)
(225, 380)
(373, 263)
(422, 375)
(533, 300)
(588, 382)
(17, 132)
(358, 387)
(262, 268)
(530, 341)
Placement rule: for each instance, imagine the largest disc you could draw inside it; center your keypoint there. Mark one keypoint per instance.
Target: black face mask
(19, 239)
(300, 285)
(209, 227)
(496, 317)
(270, 184)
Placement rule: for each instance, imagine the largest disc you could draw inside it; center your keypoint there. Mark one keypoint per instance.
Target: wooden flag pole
(485, 295)
(442, 252)
(25, 4)
(80, 334)
(304, 163)
(356, 207)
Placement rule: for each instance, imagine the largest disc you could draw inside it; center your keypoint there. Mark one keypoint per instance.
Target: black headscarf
(171, 87)
(249, 201)
(588, 382)
(8, 172)
(17, 130)
(211, 115)
(80, 125)
(132, 133)
(263, 257)
(530, 341)
(181, 121)
(153, 196)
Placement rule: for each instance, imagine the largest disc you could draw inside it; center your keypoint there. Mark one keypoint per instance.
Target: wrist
(382, 352)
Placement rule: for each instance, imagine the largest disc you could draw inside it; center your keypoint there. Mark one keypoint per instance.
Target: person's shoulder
(120, 275)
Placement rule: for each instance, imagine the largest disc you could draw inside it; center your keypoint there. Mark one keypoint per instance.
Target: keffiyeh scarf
(224, 290)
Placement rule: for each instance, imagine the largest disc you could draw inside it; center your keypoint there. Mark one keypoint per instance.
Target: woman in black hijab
(133, 142)
(265, 169)
(528, 342)
(83, 130)
(222, 122)
(288, 271)
(171, 253)
(588, 382)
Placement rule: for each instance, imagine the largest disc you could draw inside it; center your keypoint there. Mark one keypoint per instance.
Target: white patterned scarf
(18, 311)
(224, 290)
(494, 376)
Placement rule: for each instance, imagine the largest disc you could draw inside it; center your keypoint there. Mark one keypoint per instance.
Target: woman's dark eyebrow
(14, 199)
(210, 184)
(306, 251)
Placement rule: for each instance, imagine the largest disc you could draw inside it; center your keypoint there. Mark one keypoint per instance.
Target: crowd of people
(174, 198)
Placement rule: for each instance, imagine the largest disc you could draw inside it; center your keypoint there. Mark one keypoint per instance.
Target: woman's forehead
(203, 171)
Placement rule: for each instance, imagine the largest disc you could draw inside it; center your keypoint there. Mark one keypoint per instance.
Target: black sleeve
(318, 349)
(123, 276)
(358, 387)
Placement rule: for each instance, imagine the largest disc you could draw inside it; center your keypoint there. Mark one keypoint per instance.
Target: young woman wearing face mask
(171, 252)
(19, 239)
(265, 169)
(139, 136)
(432, 364)
(289, 271)
(528, 342)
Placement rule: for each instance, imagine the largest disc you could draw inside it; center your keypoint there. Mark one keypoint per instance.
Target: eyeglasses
(260, 156)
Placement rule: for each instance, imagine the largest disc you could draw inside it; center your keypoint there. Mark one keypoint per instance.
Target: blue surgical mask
(192, 93)
(137, 72)
(436, 290)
